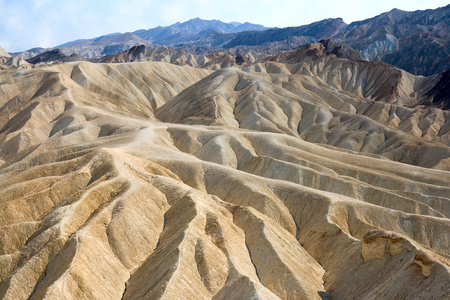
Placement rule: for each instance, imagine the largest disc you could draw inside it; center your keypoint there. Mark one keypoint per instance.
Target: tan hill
(4, 53)
(360, 106)
(313, 179)
(14, 62)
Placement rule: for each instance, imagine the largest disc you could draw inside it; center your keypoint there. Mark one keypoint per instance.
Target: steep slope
(414, 41)
(115, 43)
(31, 52)
(360, 106)
(439, 94)
(55, 55)
(4, 53)
(104, 45)
(14, 62)
(417, 42)
(192, 30)
(102, 200)
(318, 30)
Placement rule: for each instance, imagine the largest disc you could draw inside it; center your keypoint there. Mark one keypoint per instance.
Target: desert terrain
(304, 175)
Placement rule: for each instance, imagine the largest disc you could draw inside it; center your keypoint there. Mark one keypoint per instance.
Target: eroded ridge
(278, 181)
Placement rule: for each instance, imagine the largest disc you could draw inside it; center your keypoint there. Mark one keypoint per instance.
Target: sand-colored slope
(101, 200)
(33, 101)
(4, 53)
(323, 102)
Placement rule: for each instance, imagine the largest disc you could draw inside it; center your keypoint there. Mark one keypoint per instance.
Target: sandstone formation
(303, 176)
(4, 53)
(13, 62)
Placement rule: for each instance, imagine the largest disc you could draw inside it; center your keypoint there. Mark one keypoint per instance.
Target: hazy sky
(25, 24)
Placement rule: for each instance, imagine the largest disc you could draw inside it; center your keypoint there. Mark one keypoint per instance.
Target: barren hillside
(303, 176)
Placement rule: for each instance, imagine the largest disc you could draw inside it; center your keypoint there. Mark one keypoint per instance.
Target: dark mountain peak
(55, 52)
(129, 55)
(341, 50)
(54, 55)
(306, 53)
(313, 32)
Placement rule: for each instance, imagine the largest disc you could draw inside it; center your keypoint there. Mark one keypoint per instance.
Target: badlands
(305, 175)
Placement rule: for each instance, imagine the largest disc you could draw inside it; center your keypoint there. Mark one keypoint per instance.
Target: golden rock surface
(281, 180)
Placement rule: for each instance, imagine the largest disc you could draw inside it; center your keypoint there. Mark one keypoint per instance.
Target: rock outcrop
(414, 41)
(14, 62)
(55, 55)
(439, 94)
(214, 61)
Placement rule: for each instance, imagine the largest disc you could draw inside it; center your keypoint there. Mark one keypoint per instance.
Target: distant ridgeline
(417, 42)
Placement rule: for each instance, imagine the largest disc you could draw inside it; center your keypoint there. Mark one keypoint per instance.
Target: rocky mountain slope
(31, 52)
(213, 61)
(56, 55)
(307, 175)
(417, 42)
(192, 30)
(104, 45)
(175, 33)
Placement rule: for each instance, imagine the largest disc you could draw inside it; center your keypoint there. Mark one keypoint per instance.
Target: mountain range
(117, 42)
(414, 41)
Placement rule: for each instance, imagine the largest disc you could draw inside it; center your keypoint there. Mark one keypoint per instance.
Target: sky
(25, 24)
